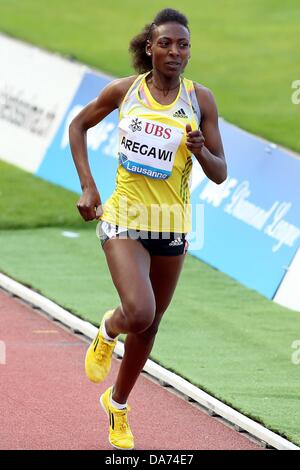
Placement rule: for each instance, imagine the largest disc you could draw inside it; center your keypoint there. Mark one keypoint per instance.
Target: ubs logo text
(157, 130)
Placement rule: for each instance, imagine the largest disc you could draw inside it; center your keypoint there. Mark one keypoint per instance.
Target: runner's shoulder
(202, 91)
(204, 95)
(120, 86)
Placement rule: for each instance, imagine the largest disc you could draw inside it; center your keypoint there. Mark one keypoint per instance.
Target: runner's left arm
(206, 143)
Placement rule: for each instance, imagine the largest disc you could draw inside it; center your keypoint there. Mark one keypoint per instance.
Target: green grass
(224, 338)
(29, 202)
(217, 334)
(246, 51)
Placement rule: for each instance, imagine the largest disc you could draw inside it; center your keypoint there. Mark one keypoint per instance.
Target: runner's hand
(89, 204)
(194, 140)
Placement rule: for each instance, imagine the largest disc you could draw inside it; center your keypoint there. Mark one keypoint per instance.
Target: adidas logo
(180, 113)
(176, 242)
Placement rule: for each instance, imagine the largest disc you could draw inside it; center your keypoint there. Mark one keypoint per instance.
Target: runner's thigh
(129, 265)
(164, 274)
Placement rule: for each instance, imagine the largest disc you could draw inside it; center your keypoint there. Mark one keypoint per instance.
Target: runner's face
(170, 48)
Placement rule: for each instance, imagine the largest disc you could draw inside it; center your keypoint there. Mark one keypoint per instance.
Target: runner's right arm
(89, 204)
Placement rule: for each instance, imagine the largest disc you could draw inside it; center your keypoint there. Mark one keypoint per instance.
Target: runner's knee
(139, 315)
(152, 330)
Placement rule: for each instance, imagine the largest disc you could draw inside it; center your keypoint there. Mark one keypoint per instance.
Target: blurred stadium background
(235, 343)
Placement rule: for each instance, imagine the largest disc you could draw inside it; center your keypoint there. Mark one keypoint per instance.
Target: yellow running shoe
(120, 435)
(99, 354)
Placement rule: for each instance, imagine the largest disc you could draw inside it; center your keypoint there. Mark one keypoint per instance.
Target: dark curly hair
(140, 60)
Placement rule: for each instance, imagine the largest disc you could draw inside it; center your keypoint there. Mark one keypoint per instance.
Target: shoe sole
(92, 379)
(95, 381)
(116, 447)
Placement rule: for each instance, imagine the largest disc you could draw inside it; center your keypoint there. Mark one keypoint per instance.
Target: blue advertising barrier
(102, 140)
(251, 224)
(252, 220)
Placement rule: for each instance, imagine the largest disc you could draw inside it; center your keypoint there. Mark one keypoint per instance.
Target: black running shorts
(156, 243)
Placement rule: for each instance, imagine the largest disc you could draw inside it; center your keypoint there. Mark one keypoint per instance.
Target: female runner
(164, 120)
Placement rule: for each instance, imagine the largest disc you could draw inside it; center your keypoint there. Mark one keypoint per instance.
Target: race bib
(148, 147)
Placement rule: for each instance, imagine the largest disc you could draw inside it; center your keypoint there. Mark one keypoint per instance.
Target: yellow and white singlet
(153, 177)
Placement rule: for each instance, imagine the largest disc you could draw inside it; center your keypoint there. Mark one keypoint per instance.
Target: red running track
(46, 401)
